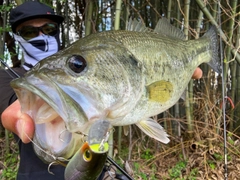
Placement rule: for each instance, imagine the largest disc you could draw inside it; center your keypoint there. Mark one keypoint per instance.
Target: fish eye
(87, 155)
(77, 63)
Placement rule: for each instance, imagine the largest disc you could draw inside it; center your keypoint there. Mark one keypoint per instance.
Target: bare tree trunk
(88, 20)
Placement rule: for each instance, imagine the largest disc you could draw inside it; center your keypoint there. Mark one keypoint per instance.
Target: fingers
(197, 74)
(25, 128)
(17, 122)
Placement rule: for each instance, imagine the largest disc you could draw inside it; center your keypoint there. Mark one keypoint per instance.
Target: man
(35, 27)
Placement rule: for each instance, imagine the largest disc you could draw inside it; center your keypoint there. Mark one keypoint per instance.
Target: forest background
(196, 125)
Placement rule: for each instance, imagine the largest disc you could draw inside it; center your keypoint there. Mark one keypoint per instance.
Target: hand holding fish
(17, 122)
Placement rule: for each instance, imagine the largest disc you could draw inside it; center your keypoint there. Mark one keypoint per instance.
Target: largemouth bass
(121, 76)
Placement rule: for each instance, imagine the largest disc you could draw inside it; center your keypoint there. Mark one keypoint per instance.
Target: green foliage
(10, 172)
(153, 173)
(123, 153)
(147, 154)
(143, 175)
(136, 166)
(9, 160)
(193, 174)
(5, 29)
(211, 164)
(229, 158)
(231, 141)
(176, 171)
(218, 157)
(5, 8)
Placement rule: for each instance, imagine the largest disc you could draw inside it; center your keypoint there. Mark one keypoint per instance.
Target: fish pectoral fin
(154, 130)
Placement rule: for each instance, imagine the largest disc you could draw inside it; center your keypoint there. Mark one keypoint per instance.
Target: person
(33, 24)
(35, 27)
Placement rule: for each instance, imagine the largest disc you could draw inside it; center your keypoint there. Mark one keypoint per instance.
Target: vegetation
(196, 150)
(8, 159)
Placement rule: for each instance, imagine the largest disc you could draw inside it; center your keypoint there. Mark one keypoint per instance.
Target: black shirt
(31, 167)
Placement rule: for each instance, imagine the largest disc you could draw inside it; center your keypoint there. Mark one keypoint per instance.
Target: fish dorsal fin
(164, 27)
(135, 25)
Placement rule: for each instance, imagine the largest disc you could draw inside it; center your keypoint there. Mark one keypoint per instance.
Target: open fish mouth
(57, 135)
(50, 129)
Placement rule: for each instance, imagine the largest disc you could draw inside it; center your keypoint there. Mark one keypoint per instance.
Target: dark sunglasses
(29, 32)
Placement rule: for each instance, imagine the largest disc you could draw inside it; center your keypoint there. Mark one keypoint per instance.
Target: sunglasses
(29, 32)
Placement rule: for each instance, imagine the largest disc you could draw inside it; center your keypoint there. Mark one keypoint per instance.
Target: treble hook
(105, 139)
(49, 166)
(57, 160)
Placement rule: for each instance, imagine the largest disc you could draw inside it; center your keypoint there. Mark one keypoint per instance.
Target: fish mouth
(57, 133)
(51, 136)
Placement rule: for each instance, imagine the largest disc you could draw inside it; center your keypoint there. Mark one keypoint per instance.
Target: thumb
(25, 128)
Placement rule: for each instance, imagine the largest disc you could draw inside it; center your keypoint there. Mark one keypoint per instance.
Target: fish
(122, 76)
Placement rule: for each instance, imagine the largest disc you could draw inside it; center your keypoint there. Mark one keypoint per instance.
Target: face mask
(38, 48)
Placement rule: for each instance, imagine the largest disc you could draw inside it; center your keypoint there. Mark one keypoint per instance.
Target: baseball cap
(31, 10)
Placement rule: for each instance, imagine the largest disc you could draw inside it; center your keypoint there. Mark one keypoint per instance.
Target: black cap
(31, 10)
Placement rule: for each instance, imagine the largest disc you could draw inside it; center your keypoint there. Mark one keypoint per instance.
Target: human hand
(197, 74)
(17, 122)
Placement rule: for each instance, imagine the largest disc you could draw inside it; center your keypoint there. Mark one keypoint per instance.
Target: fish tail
(215, 62)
